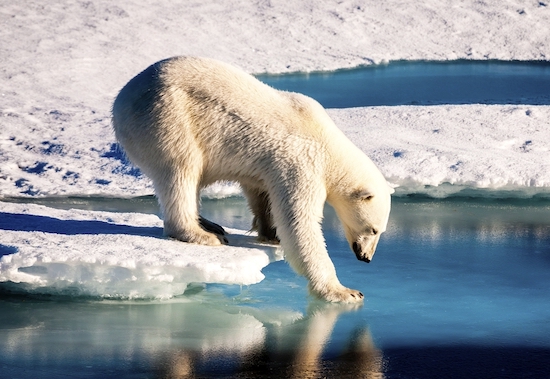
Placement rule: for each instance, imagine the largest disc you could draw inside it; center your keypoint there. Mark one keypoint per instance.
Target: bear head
(363, 210)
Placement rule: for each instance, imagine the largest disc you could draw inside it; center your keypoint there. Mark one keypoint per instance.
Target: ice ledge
(115, 255)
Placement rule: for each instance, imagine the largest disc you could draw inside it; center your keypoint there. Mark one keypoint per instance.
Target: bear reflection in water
(296, 351)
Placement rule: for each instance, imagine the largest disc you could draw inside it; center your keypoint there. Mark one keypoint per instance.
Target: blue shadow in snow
(46, 224)
(7, 250)
(116, 152)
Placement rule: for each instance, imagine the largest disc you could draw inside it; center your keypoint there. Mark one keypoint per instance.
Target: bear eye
(362, 195)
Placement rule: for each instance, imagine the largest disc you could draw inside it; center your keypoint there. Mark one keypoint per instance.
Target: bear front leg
(336, 293)
(324, 283)
(299, 228)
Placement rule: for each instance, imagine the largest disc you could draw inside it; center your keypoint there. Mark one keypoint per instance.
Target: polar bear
(188, 122)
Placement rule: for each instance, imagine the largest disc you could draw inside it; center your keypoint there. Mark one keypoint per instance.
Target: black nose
(357, 250)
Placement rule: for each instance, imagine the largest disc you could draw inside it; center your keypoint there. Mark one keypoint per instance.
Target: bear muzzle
(364, 248)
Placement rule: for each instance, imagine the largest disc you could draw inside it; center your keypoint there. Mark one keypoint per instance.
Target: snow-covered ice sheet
(419, 149)
(115, 255)
(64, 62)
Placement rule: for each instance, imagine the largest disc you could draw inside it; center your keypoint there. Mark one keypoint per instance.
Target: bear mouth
(359, 253)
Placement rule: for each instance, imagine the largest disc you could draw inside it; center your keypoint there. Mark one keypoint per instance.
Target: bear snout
(359, 253)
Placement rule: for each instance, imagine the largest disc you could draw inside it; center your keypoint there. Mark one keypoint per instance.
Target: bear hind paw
(272, 240)
(200, 238)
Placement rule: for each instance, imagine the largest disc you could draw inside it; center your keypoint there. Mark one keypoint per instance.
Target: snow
(490, 150)
(63, 63)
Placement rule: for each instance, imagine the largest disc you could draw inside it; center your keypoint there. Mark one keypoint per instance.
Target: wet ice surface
(456, 289)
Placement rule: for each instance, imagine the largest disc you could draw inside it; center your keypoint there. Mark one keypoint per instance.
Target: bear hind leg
(178, 196)
(260, 206)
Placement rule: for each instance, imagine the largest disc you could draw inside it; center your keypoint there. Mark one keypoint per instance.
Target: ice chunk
(116, 255)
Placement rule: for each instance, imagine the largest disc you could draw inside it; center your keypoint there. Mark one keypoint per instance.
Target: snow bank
(115, 255)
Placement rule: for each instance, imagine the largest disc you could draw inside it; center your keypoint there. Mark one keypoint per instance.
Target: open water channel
(424, 83)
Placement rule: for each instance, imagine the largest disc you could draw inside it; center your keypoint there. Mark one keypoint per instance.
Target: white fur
(188, 122)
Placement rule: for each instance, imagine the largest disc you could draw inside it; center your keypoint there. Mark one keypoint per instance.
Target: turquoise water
(456, 287)
(424, 83)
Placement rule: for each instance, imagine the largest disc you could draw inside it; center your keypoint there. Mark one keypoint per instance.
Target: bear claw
(212, 227)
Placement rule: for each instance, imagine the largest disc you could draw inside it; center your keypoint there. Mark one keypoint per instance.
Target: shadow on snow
(45, 224)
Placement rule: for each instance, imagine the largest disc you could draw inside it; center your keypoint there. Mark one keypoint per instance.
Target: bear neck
(348, 169)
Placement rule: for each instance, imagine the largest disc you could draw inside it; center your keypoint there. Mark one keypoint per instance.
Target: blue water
(424, 83)
(457, 288)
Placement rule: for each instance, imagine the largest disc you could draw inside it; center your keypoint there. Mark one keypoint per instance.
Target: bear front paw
(339, 294)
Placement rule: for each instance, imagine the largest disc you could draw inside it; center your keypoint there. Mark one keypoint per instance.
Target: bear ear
(362, 194)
